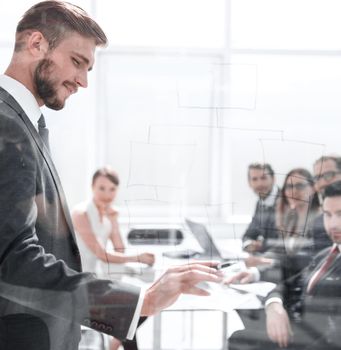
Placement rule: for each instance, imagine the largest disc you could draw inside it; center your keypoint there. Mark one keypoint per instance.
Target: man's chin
(263, 194)
(56, 105)
(336, 238)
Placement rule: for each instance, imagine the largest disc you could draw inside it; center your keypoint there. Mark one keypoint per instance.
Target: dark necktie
(43, 131)
(323, 269)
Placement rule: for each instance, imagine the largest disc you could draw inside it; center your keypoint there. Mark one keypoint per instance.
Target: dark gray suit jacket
(321, 308)
(40, 267)
(263, 225)
(319, 235)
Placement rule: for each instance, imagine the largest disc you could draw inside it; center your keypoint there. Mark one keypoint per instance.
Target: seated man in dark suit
(327, 170)
(260, 232)
(320, 300)
(317, 313)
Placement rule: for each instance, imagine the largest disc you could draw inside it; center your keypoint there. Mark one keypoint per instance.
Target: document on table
(261, 289)
(221, 298)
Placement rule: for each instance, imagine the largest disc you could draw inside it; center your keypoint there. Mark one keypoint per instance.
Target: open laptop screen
(204, 238)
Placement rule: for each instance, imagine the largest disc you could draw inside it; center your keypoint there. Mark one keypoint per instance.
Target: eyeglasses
(298, 186)
(327, 176)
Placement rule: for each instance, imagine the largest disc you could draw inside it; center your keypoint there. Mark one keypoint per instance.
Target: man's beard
(262, 194)
(46, 86)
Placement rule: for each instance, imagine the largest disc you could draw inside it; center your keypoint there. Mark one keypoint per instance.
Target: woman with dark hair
(296, 210)
(96, 223)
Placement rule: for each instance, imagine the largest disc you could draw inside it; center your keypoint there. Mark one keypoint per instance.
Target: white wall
(181, 124)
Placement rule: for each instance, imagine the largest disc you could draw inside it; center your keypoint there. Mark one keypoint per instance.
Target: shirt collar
(23, 96)
(270, 199)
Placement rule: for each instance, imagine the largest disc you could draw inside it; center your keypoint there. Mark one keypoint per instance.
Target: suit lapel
(11, 102)
(318, 265)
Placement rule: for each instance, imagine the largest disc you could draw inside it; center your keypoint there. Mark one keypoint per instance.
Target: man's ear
(37, 45)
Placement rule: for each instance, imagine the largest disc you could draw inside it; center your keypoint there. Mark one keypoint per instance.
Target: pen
(225, 264)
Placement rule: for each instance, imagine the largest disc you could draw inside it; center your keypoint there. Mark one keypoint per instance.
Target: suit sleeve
(304, 265)
(254, 228)
(29, 276)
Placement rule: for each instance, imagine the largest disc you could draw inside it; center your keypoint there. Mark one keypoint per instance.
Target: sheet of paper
(220, 298)
(259, 288)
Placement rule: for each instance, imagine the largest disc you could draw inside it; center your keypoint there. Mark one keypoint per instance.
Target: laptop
(210, 250)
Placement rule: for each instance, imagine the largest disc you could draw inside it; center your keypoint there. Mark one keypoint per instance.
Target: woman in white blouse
(95, 224)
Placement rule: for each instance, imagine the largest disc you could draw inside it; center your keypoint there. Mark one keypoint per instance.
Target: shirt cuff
(273, 300)
(255, 273)
(137, 314)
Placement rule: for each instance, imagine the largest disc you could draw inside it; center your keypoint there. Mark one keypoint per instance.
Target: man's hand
(254, 246)
(177, 280)
(240, 277)
(146, 258)
(278, 324)
(253, 260)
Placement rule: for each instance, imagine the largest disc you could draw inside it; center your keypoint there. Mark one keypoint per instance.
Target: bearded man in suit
(261, 234)
(313, 317)
(44, 296)
(318, 327)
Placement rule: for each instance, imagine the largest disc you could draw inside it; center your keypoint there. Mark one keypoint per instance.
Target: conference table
(222, 299)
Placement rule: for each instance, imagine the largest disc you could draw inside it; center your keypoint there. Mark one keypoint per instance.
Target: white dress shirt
(23, 96)
(270, 199)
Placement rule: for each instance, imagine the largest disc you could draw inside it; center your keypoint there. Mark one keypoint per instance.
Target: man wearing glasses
(327, 170)
(314, 323)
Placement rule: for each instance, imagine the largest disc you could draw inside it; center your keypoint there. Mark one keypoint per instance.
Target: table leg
(224, 332)
(157, 332)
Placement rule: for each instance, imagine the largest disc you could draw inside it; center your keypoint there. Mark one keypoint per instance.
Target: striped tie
(323, 269)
